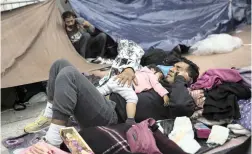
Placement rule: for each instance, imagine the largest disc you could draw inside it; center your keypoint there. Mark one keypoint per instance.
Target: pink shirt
(147, 80)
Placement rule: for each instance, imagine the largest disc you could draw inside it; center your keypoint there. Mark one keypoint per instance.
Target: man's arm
(133, 53)
(86, 25)
(180, 97)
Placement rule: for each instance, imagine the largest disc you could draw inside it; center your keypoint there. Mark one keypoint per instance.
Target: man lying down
(70, 93)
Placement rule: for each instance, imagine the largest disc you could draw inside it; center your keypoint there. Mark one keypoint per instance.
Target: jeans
(86, 44)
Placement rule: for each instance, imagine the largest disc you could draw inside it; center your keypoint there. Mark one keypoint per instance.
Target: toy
(74, 141)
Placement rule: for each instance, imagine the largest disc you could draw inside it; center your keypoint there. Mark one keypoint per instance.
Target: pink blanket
(46, 148)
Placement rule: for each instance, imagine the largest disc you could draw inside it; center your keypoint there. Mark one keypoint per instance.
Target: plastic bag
(216, 43)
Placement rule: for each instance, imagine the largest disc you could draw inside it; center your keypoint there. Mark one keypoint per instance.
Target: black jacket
(221, 101)
(150, 104)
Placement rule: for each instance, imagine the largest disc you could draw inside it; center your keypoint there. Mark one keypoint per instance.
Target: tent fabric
(32, 39)
(159, 23)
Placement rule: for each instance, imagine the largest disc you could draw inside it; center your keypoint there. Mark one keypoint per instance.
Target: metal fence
(10, 5)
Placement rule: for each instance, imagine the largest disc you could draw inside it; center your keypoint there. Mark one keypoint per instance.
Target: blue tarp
(157, 23)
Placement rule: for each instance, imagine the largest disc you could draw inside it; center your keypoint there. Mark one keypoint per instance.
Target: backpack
(161, 57)
(140, 138)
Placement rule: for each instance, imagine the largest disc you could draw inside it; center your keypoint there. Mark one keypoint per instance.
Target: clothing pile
(227, 99)
(223, 90)
(195, 137)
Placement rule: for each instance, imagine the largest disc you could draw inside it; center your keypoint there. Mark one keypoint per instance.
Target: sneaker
(39, 124)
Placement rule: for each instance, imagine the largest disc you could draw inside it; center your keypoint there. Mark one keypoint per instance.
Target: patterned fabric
(245, 110)
(28, 140)
(129, 55)
(198, 97)
(245, 73)
(121, 144)
(48, 149)
(197, 114)
(112, 140)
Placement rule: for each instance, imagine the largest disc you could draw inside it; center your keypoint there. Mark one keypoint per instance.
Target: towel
(218, 135)
(182, 134)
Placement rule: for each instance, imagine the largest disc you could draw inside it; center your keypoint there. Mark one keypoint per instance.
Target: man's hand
(37, 149)
(166, 100)
(185, 75)
(86, 24)
(128, 76)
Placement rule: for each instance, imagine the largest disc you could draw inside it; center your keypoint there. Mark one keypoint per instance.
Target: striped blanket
(112, 140)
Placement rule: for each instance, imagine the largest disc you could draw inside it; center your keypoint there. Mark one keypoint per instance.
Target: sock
(53, 135)
(48, 110)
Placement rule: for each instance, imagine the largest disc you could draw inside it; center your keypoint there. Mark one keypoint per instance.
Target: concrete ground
(13, 122)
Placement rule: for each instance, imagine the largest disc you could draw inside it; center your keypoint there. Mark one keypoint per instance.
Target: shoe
(40, 123)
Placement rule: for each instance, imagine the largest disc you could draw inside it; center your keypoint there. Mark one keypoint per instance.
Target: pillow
(164, 69)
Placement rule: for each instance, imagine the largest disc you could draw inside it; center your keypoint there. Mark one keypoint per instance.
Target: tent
(32, 39)
(163, 24)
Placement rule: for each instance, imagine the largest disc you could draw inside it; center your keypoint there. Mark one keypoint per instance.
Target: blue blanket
(158, 23)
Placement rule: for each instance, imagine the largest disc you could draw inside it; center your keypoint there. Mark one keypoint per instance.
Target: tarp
(157, 23)
(32, 39)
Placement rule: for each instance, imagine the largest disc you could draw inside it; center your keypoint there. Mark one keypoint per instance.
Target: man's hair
(193, 69)
(156, 69)
(68, 14)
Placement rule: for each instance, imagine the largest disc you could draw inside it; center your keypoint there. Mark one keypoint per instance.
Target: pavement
(13, 122)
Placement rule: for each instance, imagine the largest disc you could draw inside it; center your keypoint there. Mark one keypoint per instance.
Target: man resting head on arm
(181, 103)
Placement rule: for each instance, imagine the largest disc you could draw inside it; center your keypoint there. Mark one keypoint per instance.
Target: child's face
(159, 75)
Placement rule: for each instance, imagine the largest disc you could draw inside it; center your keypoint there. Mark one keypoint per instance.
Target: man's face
(70, 21)
(178, 67)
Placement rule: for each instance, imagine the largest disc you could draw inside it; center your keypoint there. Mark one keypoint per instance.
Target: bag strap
(151, 121)
(152, 124)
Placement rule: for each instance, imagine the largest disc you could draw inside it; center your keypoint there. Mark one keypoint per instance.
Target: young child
(147, 77)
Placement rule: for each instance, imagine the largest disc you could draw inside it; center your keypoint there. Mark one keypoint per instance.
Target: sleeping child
(147, 77)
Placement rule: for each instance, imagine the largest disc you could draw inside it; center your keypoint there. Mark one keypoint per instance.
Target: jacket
(214, 77)
(150, 104)
(148, 80)
(221, 101)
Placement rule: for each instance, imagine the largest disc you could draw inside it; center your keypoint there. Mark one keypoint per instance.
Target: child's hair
(155, 68)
